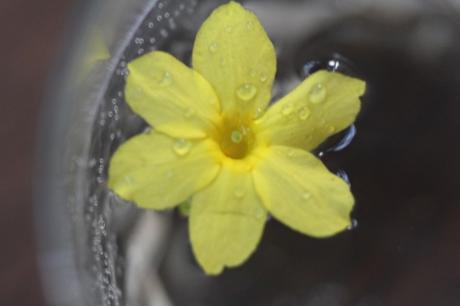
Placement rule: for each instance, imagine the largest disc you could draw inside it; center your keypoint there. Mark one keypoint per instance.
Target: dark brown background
(30, 32)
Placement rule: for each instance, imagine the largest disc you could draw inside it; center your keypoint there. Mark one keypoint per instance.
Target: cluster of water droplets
(307, 111)
(107, 218)
(115, 123)
(182, 146)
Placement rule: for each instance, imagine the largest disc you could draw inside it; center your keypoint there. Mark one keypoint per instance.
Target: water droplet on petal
(306, 196)
(344, 176)
(182, 146)
(228, 29)
(353, 225)
(246, 92)
(346, 140)
(287, 110)
(331, 129)
(213, 47)
(260, 212)
(137, 92)
(317, 93)
(259, 112)
(291, 153)
(250, 25)
(128, 179)
(333, 65)
(263, 78)
(304, 113)
(189, 112)
(239, 193)
(236, 136)
(166, 79)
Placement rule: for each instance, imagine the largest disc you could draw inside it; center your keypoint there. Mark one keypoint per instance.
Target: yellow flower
(215, 140)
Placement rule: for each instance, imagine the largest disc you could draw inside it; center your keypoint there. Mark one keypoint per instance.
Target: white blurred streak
(144, 254)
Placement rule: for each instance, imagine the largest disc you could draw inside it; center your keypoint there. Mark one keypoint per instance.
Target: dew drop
(331, 129)
(344, 176)
(236, 136)
(213, 47)
(150, 25)
(260, 212)
(137, 92)
(239, 193)
(182, 146)
(333, 65)
(346, 140)
(250, 25)
(228, 29)
(310, 67)
(189, 112)
(263, 78)
(306, 196)
(128, 179)
(353, 225)
(166, 79)
(259, 112)
(304, 113)
(287, 110)
(246, 92)
(317, 93)
(290, 153)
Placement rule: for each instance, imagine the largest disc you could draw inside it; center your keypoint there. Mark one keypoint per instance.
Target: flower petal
(322, 105)
(226, 221)
(233, 52)
(156, 171)
(297, 189)
(170, 96)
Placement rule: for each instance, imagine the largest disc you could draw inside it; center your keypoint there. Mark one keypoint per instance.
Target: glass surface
(400, 157)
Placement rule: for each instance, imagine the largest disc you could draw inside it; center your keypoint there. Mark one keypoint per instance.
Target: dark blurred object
(30, 31)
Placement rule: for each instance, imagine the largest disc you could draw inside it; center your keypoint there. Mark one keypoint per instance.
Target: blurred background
(30, 33)
(405, 250)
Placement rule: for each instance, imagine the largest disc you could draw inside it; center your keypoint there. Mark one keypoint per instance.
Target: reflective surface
(400, 158)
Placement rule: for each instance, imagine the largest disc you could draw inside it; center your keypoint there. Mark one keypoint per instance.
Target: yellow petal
(322, 105)
(233, 52)
(156, 171)
(170, 96)
(297, 189)
(226, 221)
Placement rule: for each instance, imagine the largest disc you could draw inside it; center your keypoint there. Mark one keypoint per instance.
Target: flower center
(235, 139)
